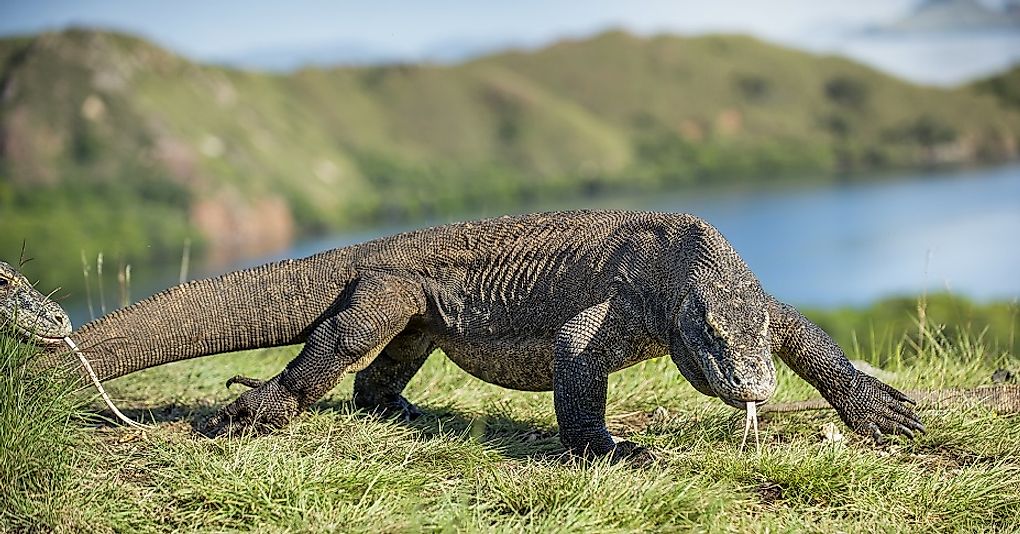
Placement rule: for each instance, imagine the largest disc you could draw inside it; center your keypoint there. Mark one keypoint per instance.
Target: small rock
(1003, 376)
(830, 433)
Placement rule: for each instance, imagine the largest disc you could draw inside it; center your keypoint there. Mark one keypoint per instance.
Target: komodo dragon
(554, 301)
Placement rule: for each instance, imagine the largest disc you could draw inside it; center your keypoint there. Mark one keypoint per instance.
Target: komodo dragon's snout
(724, 348)
(33, 316)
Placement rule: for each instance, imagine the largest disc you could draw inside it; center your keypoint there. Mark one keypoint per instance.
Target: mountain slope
(1005, 86)
(110, 143)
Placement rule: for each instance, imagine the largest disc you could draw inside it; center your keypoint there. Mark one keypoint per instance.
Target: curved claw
(409, 412)
(221, 423)
(897, 394)
(874, 409)
(906, 422)
(875, 433)
(245, 381)
(632, 453)
(396, 407)
(266, 407)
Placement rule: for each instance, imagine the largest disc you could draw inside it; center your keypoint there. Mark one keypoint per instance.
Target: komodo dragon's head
(724, 327)
(35, 317)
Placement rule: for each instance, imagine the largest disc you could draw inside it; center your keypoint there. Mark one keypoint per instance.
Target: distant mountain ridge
(109, 142)
(286, 59)
(957, 16)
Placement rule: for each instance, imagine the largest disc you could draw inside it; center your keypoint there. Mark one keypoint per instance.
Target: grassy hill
(1005, 86)
(110, 143)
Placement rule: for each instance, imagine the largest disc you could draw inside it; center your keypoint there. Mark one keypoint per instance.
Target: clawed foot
(269, 405)
(396, 407)
(632, 453)
(872, 408)
(599, 445)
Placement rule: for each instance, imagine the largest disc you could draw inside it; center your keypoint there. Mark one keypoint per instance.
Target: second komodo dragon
(554, 301)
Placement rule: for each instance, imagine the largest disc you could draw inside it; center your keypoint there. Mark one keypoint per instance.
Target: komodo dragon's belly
(511, 344)
(525, 365)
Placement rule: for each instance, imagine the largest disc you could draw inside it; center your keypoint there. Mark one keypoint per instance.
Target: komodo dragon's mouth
(741, 404)
(33, 336)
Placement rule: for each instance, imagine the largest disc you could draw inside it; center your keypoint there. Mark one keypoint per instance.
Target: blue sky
(204, 29)
(253, 32)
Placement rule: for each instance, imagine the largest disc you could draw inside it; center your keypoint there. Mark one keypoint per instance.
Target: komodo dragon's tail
(1002, 398)
(266, 306)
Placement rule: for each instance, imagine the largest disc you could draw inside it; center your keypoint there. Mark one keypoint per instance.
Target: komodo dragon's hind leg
(379, 387)
(376, 312)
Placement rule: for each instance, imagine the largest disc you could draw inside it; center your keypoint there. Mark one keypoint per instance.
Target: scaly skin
(553, 301)
(29, 312)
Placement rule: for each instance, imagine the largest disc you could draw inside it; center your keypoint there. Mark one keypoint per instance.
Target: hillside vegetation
(1004, 86)
(110, 143)
(889, 325)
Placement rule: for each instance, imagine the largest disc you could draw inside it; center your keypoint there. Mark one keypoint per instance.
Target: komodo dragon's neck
(271, 305)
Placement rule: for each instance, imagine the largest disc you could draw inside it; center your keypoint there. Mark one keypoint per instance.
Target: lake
(850, 244)
(833, 245)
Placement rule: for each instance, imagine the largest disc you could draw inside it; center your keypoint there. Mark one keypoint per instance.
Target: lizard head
(724, 332)
(32, 315)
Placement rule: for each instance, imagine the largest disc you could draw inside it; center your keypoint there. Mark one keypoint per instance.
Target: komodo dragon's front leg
(864, 403)
(377, 311)
(589, 347)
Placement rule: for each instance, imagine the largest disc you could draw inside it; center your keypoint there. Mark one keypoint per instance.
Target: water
(834, 245)
(851, 244)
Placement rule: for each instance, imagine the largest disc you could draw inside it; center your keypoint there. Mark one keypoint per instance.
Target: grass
(485, 459)
(39, 429)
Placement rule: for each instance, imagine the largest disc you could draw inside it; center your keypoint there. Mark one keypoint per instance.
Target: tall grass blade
(99, 279)
(88, 285)
(185, 261)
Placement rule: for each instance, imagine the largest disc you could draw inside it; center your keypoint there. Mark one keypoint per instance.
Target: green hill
(110, 143)
(1005, 86)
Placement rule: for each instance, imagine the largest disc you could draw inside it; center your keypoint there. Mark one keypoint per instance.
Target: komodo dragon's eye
(715, 329)
(4, 282)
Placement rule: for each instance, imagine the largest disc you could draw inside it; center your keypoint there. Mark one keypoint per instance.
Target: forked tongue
(751, 421)
(99, 385)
